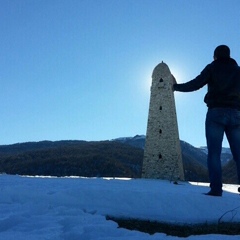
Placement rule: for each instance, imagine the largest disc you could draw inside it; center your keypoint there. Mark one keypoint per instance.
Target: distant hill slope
(65, 158)
(200, 154)
(120, 157)
(230, 172)
(7, 150)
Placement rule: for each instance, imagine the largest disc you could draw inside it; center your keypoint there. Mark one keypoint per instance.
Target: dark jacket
(223, 79)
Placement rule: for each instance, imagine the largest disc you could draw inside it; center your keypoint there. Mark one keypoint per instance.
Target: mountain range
(121, 157)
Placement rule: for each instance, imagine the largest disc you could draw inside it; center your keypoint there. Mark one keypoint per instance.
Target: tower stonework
(162, 152)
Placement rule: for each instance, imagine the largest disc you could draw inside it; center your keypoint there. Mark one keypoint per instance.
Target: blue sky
(81, 69)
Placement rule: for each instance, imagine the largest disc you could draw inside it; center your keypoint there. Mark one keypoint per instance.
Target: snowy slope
(75, 208)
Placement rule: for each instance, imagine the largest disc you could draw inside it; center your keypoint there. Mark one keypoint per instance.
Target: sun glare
(177, 73)
(146, 79)
(146, 76)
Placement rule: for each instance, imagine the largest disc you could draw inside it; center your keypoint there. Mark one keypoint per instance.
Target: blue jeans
(218, 122)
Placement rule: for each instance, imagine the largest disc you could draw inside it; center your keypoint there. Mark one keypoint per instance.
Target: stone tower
(162, 153)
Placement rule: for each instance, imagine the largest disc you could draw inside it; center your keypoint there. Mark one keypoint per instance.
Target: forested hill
(6, 150)
(120, 157)
(65, 158)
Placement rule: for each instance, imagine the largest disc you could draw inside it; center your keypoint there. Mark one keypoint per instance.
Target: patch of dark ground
(186, 230)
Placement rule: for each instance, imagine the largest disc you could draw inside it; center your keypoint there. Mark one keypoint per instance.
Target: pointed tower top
(162, 67)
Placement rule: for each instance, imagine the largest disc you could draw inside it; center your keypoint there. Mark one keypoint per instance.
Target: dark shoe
(239, 189)
(215, 194)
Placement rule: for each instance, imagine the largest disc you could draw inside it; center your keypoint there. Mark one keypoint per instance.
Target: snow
(204, 149)
(74, 208)
(224, 150)
(136, 137)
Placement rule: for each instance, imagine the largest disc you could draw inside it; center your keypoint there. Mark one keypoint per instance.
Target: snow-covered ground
(39, 208)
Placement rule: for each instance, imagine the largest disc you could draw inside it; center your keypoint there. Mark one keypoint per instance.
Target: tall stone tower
(162, 153)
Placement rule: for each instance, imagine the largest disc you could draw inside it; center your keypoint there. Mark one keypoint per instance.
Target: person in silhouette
(222, 77)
